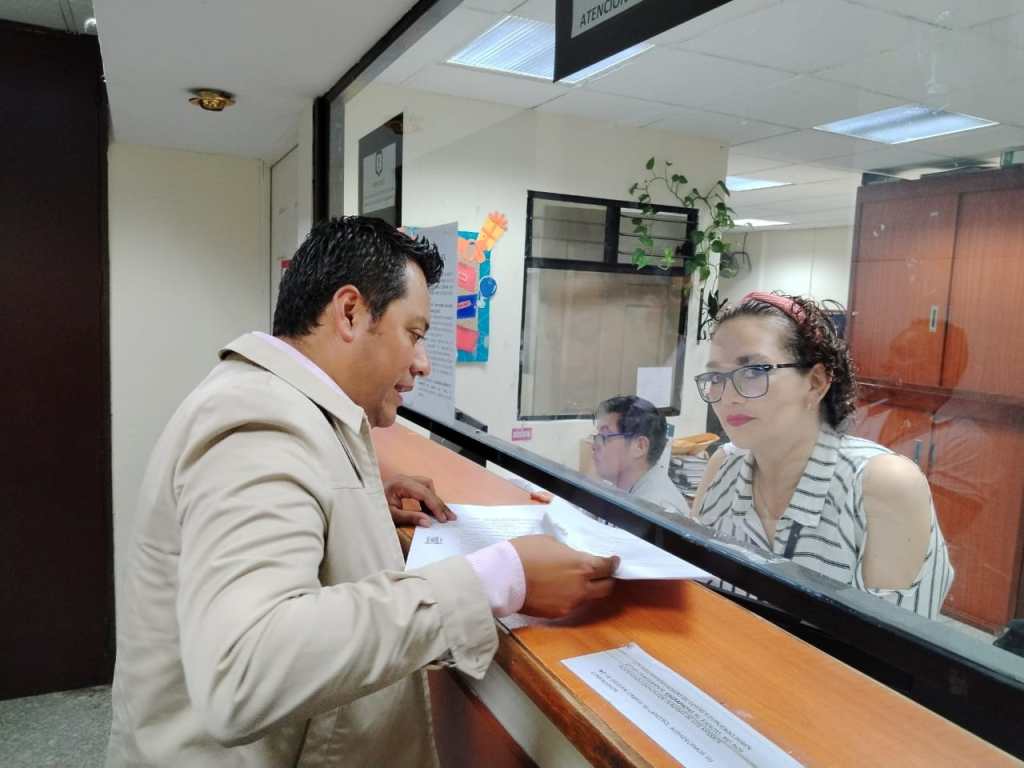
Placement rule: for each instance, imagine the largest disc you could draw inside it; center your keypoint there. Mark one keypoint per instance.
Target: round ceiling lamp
(211, 99)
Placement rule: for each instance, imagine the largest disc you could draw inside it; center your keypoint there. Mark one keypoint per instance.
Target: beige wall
(808, 262)
(188, 272)
(464, 158)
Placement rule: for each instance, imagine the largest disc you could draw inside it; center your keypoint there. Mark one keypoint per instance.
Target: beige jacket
(265, 617)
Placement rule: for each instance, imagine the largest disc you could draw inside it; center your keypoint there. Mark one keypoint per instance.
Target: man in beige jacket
(266, 619)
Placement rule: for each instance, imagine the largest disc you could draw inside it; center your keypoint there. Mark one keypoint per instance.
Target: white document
(655, 385)
(477, 527)
(683, 720)
(435, 394)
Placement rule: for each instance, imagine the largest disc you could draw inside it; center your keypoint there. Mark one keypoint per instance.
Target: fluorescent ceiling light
(758, 223)
(899, 125)
(744, 184)
(519, 46)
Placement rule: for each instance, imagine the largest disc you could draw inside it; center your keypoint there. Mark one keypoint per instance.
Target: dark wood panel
(944, 184)
(56, 551)
(978, 487)
(907, 230)
(465, 731)
(891, 336)
(984, 351)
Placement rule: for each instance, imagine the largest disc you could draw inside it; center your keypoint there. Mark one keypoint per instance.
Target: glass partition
(869, 163)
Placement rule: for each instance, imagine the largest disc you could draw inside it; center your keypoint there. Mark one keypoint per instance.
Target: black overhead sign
(589, 31)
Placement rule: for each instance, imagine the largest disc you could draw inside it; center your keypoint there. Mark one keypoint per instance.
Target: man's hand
(415, 489)
(559, 578)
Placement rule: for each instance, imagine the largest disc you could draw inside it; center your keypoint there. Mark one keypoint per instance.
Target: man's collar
(292, 369)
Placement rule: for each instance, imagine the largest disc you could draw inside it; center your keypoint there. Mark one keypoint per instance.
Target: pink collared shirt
(498, 566)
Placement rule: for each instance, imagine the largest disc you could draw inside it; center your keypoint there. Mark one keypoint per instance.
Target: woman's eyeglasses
(749, 381)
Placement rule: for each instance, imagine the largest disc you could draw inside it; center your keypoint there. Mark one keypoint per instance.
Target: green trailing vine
(707, 238)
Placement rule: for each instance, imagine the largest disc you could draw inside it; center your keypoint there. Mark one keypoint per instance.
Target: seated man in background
(631, 436)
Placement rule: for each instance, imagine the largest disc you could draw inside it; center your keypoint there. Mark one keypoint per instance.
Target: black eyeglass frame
(765, 368)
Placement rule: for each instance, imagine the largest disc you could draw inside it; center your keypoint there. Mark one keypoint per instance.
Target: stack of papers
(478, 527)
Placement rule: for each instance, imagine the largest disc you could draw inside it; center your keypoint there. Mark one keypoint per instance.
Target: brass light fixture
(211, 99)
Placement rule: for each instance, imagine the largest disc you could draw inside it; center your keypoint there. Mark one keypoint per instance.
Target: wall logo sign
(380, 172)
(589, 31)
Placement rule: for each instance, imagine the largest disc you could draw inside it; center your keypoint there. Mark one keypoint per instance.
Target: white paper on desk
(477, 527)
(683, 720)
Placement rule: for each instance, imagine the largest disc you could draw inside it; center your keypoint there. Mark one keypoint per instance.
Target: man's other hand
(421, 502)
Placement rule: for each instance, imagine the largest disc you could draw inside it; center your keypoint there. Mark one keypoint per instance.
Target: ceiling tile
(946, 13)
(1009, 30)
(929, 67)
(592, 105)
(822, 189)
(716, 17)
(802, 102)
(805, 146)
(804, 174)
(884, 157)
(540, 10)
(443, 41)
(485, 86)
(728, 129)
(802, 35)
(681, 78)
(744, 165)
(983, 141)
(492, 6)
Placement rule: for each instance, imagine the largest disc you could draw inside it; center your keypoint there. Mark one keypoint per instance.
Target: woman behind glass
(791, 481)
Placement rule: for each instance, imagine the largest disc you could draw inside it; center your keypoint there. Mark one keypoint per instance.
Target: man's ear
(347, 312)
(639, 446)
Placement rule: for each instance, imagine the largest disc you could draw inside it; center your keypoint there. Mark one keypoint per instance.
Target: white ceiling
(758, 75)
(65, 15)
(273, 56)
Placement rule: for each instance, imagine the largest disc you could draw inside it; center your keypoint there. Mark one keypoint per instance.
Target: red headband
(787, 306)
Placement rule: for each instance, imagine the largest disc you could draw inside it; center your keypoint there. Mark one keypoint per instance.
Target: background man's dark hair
(367, 253)
(639, 418)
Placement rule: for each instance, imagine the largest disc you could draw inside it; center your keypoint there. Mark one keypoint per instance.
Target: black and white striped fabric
(824, 528)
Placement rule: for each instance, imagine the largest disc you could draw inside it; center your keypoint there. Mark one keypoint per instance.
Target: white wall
(464, 158)
(808, 262)
(188, 254)
(284, 218)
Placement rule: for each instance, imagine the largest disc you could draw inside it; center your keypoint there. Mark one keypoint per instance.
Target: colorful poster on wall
(476, 288)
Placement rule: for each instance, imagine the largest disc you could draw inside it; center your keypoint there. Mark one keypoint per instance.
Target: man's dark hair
(355, 250)
(639, 418)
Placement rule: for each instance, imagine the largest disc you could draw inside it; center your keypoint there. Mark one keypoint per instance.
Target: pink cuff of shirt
(501, 572)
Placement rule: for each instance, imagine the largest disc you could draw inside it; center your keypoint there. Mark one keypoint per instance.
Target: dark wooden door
(903, 259)
(56, 589)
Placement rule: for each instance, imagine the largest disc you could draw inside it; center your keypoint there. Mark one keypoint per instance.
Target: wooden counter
(821, 711)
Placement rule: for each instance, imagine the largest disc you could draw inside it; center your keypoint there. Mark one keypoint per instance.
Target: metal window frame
(610, 265)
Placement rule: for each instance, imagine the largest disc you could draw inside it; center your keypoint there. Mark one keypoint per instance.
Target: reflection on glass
(792, 482)
(628, 447)
(923, 240)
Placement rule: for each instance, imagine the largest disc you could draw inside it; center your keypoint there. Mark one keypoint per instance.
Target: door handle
(917, 452)
(933, 319)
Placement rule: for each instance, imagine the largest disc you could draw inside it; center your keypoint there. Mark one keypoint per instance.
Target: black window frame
(609, 265)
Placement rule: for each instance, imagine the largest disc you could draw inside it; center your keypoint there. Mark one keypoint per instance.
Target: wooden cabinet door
(897, 328)
(914, 229)
(985, 351)
(978, 488)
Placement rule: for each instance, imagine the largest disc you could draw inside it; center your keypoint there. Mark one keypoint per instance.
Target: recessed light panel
(900, 125)
(744, 184)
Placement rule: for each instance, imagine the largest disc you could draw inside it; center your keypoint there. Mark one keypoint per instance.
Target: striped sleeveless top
(825, 527)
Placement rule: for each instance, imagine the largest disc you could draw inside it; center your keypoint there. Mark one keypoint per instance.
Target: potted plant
(707, 239)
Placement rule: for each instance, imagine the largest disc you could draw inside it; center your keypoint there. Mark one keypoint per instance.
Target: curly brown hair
(812, 338)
